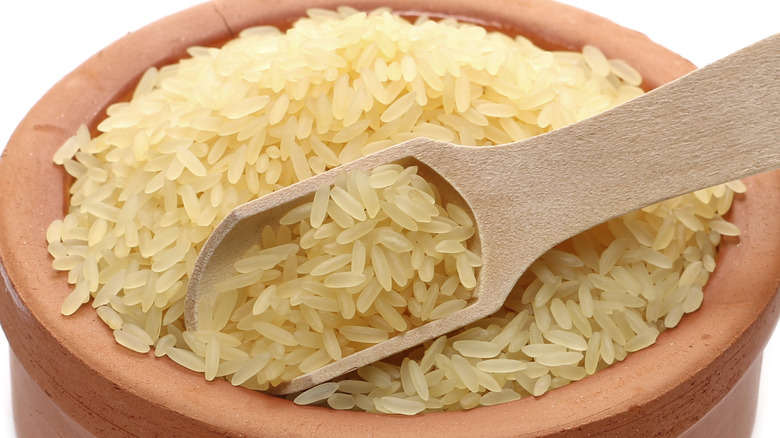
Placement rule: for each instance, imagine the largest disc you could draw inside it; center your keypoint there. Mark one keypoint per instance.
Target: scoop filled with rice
(271, 108)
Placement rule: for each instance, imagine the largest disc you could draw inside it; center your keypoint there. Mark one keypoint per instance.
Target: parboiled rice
(270, 108)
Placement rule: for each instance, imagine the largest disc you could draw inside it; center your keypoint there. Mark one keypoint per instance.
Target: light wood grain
(717, 124)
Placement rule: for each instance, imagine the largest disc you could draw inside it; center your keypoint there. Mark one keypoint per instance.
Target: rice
(319, 393)
(341, 401)
(358, 300)
(378, 252)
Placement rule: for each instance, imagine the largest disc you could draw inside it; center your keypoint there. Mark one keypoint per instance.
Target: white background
(44, 40)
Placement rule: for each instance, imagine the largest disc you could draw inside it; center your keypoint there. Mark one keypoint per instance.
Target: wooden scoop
(714, 125)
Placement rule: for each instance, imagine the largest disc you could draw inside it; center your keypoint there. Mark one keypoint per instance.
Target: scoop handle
(717, 124)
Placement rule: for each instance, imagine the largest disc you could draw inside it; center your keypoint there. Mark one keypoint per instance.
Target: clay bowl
(71, 379)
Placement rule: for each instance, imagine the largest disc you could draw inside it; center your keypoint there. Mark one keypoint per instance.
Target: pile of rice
(268, 109)
(374, 255)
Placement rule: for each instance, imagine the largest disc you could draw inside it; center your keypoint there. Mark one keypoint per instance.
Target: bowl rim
(114, 392)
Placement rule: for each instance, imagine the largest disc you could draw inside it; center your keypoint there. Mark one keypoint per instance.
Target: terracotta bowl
(71, 379)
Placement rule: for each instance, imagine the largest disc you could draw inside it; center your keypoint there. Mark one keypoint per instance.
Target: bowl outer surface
(111, 391)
